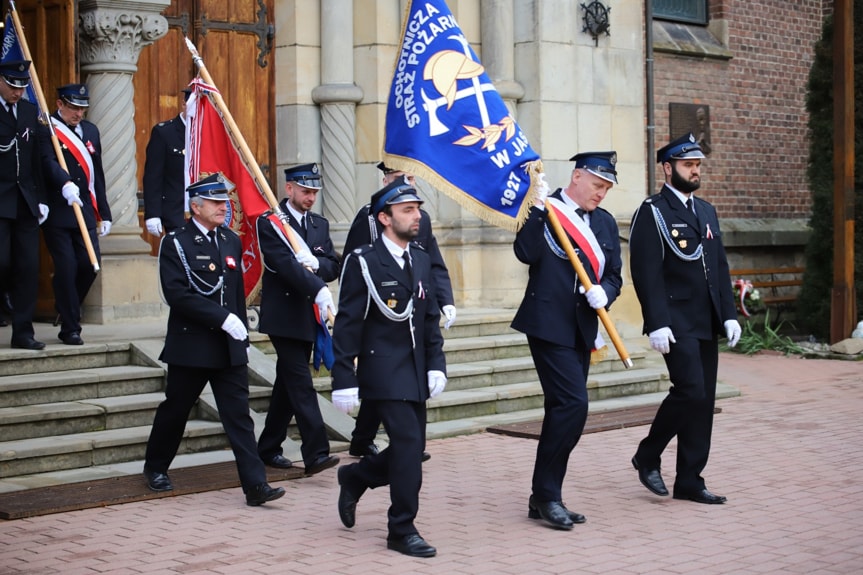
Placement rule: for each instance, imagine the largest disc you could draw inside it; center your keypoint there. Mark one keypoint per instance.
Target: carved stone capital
(113, 33)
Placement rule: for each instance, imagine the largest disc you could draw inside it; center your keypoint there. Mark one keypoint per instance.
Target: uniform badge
(674, 233)
(213, 266)
(231, 262)
(391, 303)
(90, 147)
(683, 244)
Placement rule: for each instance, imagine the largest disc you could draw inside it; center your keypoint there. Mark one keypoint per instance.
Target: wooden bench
(776, 286)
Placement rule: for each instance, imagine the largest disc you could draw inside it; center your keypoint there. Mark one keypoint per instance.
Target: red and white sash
(581, 233)
(81, 154)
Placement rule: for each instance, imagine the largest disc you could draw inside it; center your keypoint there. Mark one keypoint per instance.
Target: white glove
(104, 228)
(43, 213)
(233, 325)
(596, 296)
(154, 226)
(308, 260)
(324, 299)
(437, 382)
(541, 191)
(346, 399)
(732, 331)
(449, 314)
(661, 339)
(71, 194)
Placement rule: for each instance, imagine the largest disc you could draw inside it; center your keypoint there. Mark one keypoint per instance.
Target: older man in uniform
(388, 324)
(200, 269)
(82, 150)
(24, 150)
(164, 179)
(559, 317)
(681, 277)
(365, 229)
(292, 283)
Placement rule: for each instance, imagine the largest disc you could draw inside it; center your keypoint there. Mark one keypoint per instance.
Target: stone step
(75, 385)
(96, 414)
(63, 358)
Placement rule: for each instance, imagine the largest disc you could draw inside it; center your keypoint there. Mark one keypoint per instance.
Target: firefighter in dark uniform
(292, 283)
(388, 323)
(561, 322)
(84, 185)
(681, 277)
(200, 270)
(364, 230)
(164, 180)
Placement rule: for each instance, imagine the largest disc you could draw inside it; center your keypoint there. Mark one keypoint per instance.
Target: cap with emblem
(306, 175)
(213, 187)
(397, 192)
(601, 164)
(75, 94)
(16, 73)
(683, 148)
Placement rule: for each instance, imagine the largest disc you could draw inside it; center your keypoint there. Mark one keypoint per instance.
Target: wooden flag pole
(585, 282)
(37, 88)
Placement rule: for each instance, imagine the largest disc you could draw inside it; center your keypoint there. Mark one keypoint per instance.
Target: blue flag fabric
(446, 122)
(323, 349)
(12, 51)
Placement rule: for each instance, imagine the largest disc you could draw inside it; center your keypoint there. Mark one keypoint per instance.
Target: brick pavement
(787, 454)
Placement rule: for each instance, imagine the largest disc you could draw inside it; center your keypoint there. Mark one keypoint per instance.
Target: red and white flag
(210, 149)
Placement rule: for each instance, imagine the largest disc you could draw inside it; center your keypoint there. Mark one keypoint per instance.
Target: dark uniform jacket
(164, 184)
(289, 289)
(195, 337)
(62, 215)
(360, 234)
(388, 366)
(552, 308)
(677, 293)
(22, 165)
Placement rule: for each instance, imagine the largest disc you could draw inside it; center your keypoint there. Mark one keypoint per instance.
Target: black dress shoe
(321, 463)
(701, 496)
(157, 481)
(260, 494)
(279, 461)
(533, 513)
(412, 545)
(426, 455)
(71, 338)
(363, 450)
(27, 343)
(349, 496)
(552, 512)
(650, 478)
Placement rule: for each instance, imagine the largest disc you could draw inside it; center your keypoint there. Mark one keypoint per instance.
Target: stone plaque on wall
(695, 118)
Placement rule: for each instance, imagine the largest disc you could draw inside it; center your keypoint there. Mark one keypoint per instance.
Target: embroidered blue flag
(446, 122)
(12, 51)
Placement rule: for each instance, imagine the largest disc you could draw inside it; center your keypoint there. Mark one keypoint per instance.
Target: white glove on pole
(661, 339)
(154, 226)
(449, 314)
(308, 260)
(732, 331)
(43, 213)
(541, 191)
(71, 194)
(104, 228)
(234, 327)
(324, 299)
(346, 399)
(437, 382)
(596, 296)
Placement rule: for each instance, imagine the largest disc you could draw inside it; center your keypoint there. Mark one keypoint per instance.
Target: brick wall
(757, 100)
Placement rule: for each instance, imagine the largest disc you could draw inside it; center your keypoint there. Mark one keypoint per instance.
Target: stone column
(112, 34)
(498, 49)
(337, 96)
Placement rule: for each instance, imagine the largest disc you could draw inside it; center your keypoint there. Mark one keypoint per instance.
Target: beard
(685, 186)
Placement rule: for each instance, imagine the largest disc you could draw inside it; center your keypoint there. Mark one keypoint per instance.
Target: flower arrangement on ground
(748, 298)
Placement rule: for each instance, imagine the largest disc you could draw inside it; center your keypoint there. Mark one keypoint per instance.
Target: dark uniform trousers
(72, 269)
(231, 390)
(19, 258)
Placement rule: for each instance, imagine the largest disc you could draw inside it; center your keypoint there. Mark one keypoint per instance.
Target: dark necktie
(580, 212)
(406, 256)
(11, 109)
(692, 211)
(303, 229)
(214, 247)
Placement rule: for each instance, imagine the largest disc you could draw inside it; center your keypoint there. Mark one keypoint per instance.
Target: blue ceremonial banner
(447, 124)
(12, 51)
